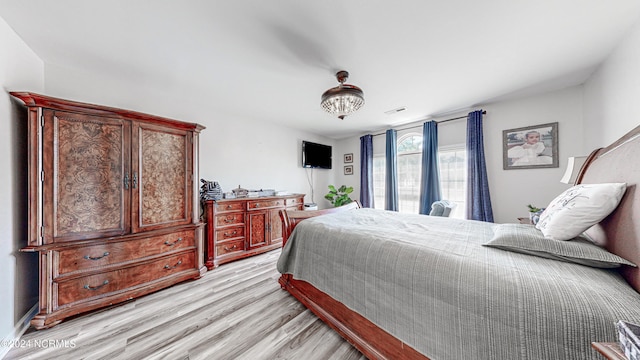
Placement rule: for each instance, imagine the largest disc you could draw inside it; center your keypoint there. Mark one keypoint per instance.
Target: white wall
(235, 152)
(612, 93)
(256, 155)
(20, 69)
(511, 190)
(346, 146)
(589, 116)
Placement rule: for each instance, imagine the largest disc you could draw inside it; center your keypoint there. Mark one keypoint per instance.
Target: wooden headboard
(620, 162)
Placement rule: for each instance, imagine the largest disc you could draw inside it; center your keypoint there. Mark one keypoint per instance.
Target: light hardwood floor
(236, 311)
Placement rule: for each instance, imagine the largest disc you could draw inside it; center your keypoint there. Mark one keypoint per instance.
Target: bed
(400, 286)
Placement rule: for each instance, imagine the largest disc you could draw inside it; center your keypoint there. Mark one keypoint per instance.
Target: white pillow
(596, 235)
(579, 208)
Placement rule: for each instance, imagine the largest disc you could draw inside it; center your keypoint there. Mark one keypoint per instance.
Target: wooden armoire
(113, 204)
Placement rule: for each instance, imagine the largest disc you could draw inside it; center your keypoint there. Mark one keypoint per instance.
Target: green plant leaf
(533, 208)
(340, 196)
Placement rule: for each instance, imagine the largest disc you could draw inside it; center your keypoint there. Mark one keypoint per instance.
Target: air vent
(394, 111)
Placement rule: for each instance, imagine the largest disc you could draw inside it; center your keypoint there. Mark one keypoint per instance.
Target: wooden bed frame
(368, 338)
(616, 163)
(619, 162)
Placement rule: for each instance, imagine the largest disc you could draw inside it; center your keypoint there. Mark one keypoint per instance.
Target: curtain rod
(441, 121)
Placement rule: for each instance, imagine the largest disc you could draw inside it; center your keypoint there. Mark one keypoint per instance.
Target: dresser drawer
(229, 233)
(230, 206)
(87, 287)
(230, 247)
(291, 202)
(262, 204)
(92, 256)
(229, 219)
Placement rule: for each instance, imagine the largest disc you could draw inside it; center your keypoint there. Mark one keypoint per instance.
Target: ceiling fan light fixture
(343, 99)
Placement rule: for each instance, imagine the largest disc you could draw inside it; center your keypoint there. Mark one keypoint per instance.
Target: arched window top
(410, 143)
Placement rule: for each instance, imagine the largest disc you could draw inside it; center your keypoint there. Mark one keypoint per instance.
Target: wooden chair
(291, 218)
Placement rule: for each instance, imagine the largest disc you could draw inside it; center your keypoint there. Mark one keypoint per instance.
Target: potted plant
(340, 196)
(534, 213)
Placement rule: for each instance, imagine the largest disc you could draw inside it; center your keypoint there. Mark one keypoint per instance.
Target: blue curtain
(430, 181)
(478, 199)
(366, 171)
(391, 176)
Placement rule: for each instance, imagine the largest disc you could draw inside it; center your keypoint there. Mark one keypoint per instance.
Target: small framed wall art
(348, 170)
(348, 158)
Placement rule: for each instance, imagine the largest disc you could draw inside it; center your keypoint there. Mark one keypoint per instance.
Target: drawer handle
(229, 206)
(234, 233)
(256, 205)
(96, 258)
(173, 243)
(174, 266)
(231, 248)
(229, 219)
(94, 288)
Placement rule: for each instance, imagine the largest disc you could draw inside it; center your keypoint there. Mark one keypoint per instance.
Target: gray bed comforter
(429, 282)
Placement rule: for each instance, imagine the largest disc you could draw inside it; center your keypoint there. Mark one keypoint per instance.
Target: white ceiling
(271, 60)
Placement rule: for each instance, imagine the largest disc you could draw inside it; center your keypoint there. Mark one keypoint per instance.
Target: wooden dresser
(112, 198)
(237, 228)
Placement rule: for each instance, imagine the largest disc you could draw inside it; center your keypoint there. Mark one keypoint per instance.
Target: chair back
(442, 208)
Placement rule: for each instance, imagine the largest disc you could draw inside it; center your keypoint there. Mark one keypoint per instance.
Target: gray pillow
(527, 239)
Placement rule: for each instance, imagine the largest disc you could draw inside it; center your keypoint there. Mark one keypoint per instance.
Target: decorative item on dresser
(237, 228)
(113, 204)
(210, 190)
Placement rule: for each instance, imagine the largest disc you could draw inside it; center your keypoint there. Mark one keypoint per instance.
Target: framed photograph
(348, 158)
(530, 147)
(348, 170)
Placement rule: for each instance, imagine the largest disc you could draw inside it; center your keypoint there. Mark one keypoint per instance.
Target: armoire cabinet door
(85, 165)
(161, 177)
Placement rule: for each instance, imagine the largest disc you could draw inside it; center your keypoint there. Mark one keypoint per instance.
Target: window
(409, 173)
(379, 172)
(452, 175)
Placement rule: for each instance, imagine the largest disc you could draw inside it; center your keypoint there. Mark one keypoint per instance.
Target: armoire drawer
(86, 287)
(92, 256)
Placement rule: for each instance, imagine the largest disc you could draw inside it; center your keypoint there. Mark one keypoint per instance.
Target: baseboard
(18, 330)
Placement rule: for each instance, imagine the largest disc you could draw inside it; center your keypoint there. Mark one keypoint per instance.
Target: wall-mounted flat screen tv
(316, 155)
